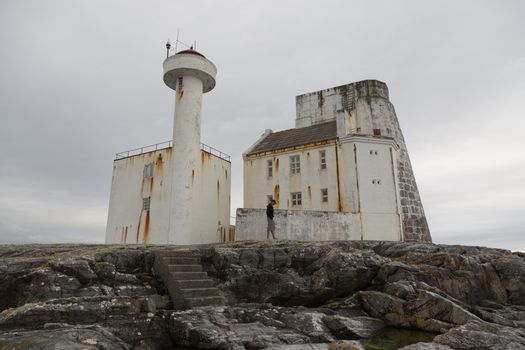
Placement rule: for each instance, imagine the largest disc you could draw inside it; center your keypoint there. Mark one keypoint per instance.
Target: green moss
(395, 338)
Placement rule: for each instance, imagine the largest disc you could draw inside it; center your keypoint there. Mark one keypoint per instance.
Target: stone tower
(364, 108)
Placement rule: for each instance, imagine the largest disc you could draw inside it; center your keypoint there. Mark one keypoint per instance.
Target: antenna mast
(177, 42)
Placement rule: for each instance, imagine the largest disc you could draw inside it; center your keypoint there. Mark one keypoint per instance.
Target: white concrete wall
(186, 147)
(211, 201)
(251, 224)
(310, 181)
(360, 179)
(129, 224)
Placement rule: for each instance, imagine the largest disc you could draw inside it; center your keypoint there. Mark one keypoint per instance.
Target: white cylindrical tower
(190, 74)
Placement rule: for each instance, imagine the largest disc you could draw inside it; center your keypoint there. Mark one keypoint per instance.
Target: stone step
(184, 268)
(205, 301)
(181, 260)
(175, 253)
(177, 276)
(188, 284)
(200, 292)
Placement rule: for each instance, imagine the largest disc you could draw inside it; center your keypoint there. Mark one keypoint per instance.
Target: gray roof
(297, 137)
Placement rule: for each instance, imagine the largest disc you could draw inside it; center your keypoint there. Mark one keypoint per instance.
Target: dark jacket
(269, 211)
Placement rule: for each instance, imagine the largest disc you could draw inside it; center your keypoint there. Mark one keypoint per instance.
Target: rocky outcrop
(279, 295)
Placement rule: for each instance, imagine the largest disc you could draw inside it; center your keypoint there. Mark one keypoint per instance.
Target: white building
(177, 192)
(342, 173)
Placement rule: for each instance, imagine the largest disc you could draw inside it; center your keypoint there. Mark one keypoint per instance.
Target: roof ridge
(296, 137)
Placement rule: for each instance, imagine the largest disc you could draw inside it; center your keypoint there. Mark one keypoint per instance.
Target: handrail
(168, 144)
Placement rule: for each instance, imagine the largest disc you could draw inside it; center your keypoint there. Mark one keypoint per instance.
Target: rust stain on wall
(138, 229)
(151, 185)
(309, 193)
(125, 234)
(192, 176)
(276, 193)
(226, 174)
(277, 165)
(145, 239)
(339, 201)
(218, 188)
(159, 166)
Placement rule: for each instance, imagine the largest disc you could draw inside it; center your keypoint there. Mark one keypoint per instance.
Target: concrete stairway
(188, 285)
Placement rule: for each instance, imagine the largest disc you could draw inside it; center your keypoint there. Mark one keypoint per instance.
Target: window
(322, 159)
(377, 132)
(295, 164)
(324, 195)
(297, 198)
(145, 203)
(269, 167)
(180, 84)
(148, 170)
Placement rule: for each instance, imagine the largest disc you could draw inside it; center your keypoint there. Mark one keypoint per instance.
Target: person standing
(271, 223)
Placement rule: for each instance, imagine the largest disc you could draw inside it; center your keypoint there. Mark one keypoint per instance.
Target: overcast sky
(82, 80)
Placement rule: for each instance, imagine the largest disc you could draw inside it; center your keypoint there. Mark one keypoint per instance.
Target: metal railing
(167, 144)
(215, 152)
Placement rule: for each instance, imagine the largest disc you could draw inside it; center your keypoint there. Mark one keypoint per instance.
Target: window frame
(322, 159)
(324, 195)
(269, 167)
(148, 171)
(296, 198)
(295, 164)
(146, 203)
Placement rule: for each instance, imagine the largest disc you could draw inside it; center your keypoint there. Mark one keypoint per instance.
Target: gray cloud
(82, 80)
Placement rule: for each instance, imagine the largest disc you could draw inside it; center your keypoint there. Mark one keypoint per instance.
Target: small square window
(295, 164)
(145, 203)
(181, 84)
(269, 167)
(148, 170)
(377, 132)
(322, 159)
(324, 195)
(297, 198)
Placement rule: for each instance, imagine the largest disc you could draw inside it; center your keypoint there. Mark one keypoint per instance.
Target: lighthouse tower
(178, 191)
(190, 74)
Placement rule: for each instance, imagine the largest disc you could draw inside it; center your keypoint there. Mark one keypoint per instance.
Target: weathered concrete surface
(280, 295)
(360, 108)
(251, 224)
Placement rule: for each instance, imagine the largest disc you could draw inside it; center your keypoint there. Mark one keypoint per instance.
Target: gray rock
(339, 345)
(481, 335)
(70, 338)
(359, 327)
(79, 269)
(297, 293)
(511, 268)
(426, 346)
